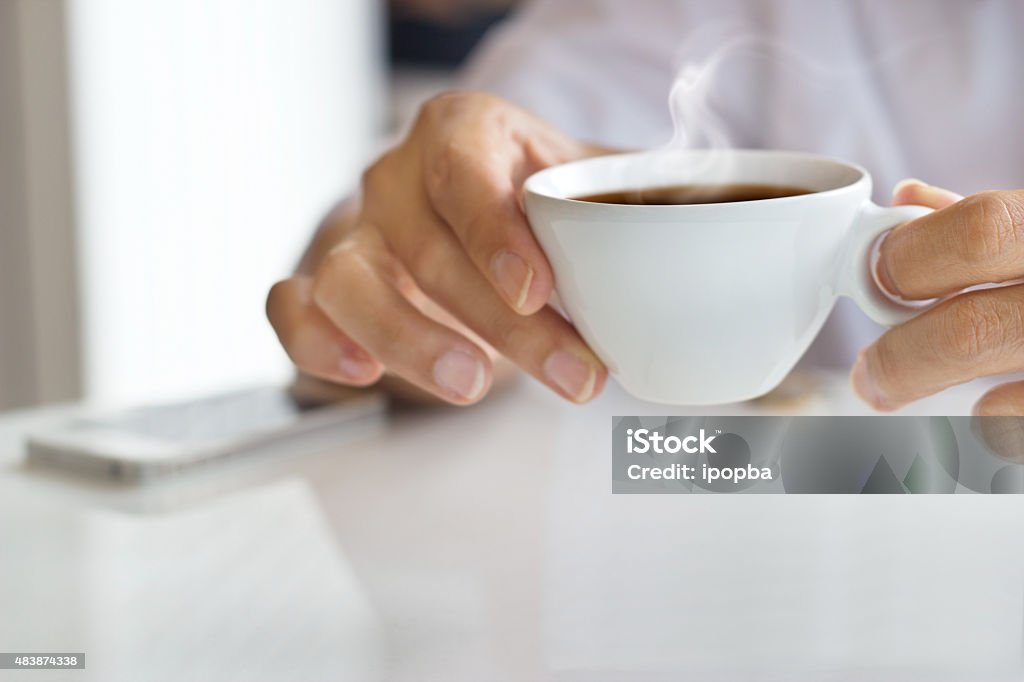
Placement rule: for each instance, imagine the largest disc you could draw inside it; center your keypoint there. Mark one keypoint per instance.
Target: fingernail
(571, 374)
(907, 182)
(354, 368)
(928, 195)
(864, 385)
(460, 373)
(939, 197)
(514, 277)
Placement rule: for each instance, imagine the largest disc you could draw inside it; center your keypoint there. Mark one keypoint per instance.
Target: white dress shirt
(932, 89)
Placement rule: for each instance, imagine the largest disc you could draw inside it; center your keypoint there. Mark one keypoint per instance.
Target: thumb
(913, 191)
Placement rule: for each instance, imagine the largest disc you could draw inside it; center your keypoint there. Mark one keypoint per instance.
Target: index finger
(471, 182)
(979, 240)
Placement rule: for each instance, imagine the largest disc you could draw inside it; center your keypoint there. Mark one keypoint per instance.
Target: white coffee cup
(705, 304)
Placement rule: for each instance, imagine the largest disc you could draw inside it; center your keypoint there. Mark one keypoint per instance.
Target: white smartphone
(155, 440)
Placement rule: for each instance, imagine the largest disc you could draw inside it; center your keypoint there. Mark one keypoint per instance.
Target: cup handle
(857, 279)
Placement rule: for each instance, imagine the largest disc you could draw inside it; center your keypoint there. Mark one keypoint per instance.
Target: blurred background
(163, 162)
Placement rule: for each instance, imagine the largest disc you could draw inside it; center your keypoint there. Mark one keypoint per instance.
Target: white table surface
(484, 544)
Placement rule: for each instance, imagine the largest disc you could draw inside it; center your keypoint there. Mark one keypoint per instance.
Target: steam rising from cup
(739, 90)
(695, 125)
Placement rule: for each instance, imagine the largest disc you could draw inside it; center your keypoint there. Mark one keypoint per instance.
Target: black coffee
(695, 194)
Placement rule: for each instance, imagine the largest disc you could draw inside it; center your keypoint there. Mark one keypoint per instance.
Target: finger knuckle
(340, 266)
(453, 102)
(436, 108)
(461, 151)
(429, 261)
(974, 326)
(389, 339)
(478, 236)
(444, 166)
(991, 228)
(508, 332)
(442, 109)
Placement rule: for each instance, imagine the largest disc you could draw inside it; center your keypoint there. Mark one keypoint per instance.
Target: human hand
(964, 243)
(437, 262)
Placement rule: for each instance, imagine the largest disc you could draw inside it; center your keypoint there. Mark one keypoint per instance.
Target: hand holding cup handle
(857, 279)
